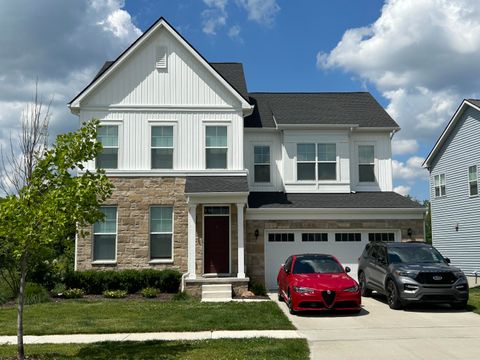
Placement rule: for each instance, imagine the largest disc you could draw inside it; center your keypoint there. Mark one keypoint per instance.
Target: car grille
(345, 304)
(328, 297)
(312, 305)
(437, 297)
(436, 278)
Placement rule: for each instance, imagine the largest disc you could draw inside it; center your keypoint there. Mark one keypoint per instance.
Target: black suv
(411, 272)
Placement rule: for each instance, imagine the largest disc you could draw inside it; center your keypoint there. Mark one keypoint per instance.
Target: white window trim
(105, 262)
(375, 163)
(269, 145)
(153, 123)
(224, 123)
(316, 162)
(439, 186)
(471, 181)
(119, 147)
(160, 261)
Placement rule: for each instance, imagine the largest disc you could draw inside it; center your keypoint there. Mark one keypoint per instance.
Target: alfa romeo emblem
(329, 292)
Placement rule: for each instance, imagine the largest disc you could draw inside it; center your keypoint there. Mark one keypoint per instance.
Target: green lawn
(474, 299)
(111, 316)
(260, 348)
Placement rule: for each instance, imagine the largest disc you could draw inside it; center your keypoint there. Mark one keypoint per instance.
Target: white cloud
(215, 16)
(409, 171)
(401, 147)
(260, 11)
(234, 32)
(402, 190)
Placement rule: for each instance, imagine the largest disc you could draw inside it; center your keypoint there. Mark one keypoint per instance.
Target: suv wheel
(362, 281)
(393, 297)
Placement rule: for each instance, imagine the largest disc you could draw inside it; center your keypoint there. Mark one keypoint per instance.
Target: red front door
(216, 253)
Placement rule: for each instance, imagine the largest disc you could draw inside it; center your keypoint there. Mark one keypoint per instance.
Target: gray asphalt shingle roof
(209, 184)
(264, 200)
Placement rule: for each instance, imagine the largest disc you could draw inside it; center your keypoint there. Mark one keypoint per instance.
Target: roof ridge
(225, 62)
(309, 92)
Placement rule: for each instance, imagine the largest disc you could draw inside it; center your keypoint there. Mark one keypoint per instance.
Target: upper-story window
(105, 235)
(473, 180)
(439, 182)
(366, 163)
(108, 136)
(216, 147)
(316, 162)
(261, 155)
(162, 147)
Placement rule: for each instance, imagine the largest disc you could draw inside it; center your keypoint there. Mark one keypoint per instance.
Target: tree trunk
(21, 301)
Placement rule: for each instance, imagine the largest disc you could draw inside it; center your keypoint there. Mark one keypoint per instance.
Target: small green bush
(58, 289)
(35, 294)
(149, 292)
(6, 293)
(73, 293)
(257, 288)
(181, 296)
(115, 294)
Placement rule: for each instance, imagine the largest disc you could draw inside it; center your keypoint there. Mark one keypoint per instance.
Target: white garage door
(345, 246)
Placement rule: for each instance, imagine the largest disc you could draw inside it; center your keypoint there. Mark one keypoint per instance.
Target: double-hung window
(161, 225)
(439, 184)
(162, 147)
(366, 163)
(261, 164)
(108, 136)
(105, 235)
(473, 180)
(327, 161)
(306, 160)
(216, 148)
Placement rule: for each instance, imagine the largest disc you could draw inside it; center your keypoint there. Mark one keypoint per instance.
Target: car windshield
(316, 265)
(414, 255)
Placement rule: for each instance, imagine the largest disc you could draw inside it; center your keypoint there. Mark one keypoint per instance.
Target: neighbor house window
(473, 180)
(105, 235)
(162, 147)
(261, 156)
(108, 136)
(439, 182)
(327, 161)
(366, 163)
(161, 232)
(389, 237)
(305, 161)
(216, 147)
(348, 237)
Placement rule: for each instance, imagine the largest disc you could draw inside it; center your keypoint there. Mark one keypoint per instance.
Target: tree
(52, 198)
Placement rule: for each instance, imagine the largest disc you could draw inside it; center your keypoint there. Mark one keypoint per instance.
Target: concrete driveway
(377, 332)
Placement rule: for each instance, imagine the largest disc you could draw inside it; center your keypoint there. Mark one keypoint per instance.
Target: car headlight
(303, 290)
(410, 274)
(351, 289)
(459, 274)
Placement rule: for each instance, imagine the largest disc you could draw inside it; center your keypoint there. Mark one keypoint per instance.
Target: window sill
(161, 261)
(104, 262)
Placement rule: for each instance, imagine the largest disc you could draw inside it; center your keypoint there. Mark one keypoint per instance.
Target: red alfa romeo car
(317, 282)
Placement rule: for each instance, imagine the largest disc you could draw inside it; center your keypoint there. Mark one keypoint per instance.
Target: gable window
(439, 183)
(261, 158)
(162, 147)
(366, 163)
(473, 180)
(105, 235)
(161, 232)
(216, 147)
(306, 161)
(161, 57)
(108, 136)
(327, 161)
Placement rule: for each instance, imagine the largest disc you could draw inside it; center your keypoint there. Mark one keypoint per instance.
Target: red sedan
(317, 282)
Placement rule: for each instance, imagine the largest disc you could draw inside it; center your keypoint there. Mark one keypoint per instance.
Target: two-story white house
(454, 166)
(216, 181)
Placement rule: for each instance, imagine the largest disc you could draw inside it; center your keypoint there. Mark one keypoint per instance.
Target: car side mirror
(347, 269)
(447, 260)
(382, 260)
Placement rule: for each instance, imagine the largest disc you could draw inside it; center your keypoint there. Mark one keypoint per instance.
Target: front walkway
(164, 336)
(378, 332)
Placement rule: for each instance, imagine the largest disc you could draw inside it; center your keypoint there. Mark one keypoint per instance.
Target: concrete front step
(217, 292)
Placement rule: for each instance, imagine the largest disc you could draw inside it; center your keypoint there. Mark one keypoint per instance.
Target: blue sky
(419, 58)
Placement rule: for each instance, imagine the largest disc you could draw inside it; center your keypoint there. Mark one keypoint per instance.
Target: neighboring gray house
(454, 164)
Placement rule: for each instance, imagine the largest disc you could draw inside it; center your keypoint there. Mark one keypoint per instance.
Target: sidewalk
(166, 336)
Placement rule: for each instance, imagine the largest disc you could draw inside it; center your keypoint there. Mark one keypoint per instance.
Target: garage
(346, 245)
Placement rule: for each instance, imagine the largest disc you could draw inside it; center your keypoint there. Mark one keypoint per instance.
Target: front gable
(184, 80)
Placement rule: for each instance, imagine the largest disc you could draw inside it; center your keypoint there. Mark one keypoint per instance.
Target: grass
(112, 316)
(474, 300)
(260, 348)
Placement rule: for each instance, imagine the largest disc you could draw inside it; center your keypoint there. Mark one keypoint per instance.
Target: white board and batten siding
(461, 150)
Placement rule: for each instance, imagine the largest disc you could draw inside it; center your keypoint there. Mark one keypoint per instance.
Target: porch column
(192, 231)
(241, 241)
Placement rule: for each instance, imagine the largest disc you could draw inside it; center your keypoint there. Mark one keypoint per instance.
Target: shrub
(73, 293)
(131, 281)
(257, 288)
(35, 294)
(115, 294)
(58, 289)
(149, 292)
(181, 296)
(6, 293)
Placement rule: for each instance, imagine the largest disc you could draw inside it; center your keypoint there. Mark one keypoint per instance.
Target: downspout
(182, 281)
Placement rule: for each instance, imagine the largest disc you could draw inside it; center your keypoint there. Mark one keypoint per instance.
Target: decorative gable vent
(161, 57)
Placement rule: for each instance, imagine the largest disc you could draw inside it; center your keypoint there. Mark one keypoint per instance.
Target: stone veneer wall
(255, 250)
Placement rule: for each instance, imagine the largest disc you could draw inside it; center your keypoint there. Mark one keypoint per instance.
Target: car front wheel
(393, 297)
(362, 281)
(290, 304)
